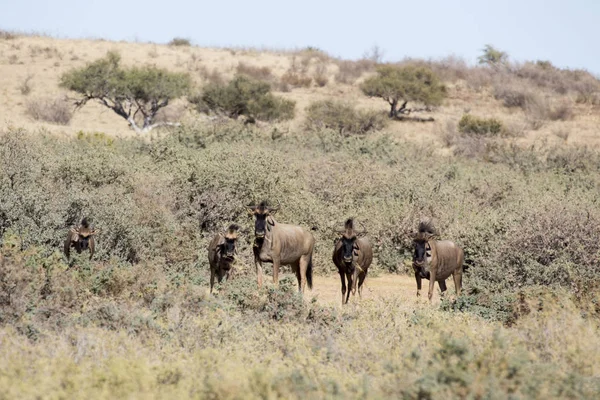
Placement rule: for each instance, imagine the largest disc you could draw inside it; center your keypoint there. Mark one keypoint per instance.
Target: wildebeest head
(228, 246)
(262, 223)
(82, 234)
(348, 239)
(423, 248)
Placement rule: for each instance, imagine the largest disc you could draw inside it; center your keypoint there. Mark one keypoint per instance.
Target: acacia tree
(136, 94)
(404, 83)
(492, 56)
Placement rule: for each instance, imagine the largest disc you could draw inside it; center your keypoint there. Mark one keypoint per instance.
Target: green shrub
(343, 118)
(473, 125)
(492, 56)
(178, 41)
(244, 96)
(396, 84)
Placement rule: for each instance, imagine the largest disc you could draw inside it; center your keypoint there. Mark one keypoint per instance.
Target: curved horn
(275, 209)
(364, 229)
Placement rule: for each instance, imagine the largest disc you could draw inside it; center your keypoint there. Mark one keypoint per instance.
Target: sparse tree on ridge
(136, 94)
(492, 56)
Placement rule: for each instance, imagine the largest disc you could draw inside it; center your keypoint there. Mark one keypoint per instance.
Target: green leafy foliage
(471, 124)
(244, 96)
(404, 83)
(492, 56)
(137, 319)
(343, 118)
(143, 90)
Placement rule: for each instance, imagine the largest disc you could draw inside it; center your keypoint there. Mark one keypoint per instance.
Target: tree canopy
(135, 93)
(492, 56)
(404, 83)
(244, 96)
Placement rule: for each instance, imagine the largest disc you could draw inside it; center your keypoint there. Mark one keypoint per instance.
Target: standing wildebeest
(436, 260)
(82, 238)
(281, 244)
(221, 255)
(352, 255)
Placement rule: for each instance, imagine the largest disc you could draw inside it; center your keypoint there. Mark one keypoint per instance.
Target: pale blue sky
(564, 32)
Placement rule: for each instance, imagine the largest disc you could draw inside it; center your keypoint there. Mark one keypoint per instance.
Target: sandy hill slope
(38, 62)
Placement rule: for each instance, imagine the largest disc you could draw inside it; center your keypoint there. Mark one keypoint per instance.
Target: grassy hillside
(137, 321)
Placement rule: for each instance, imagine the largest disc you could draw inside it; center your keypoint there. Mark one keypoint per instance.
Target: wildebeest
(81, 238)
(221, 255)
(281, 244)
(352, 255)
(436, 260)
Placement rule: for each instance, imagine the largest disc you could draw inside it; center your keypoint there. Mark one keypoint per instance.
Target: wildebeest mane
(426, 230)
(349, 223)
(233, 227)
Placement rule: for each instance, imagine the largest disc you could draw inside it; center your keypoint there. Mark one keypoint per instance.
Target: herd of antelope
(283, 244)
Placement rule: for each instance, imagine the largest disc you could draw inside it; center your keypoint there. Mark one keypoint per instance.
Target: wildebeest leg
(457, 275)
(276, 263)
(361, 279)
(221, 274)
(92, 246)
(212, 279)
(296, 270)
(418, 278)
(431, 283)
(259, 272)
(349, 277)
(304, 260)
(343, 287)
(442, 284)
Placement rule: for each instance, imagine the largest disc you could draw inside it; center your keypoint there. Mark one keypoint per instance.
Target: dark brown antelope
(352, 255)
(436, 260)
(281, 244)
(221, 255)
(81, 238)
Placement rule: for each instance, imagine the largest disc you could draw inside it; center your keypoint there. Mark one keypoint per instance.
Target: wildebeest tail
(309, 273)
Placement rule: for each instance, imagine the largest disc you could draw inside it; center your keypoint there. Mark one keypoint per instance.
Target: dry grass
(25, 87)
(260, 73)
(468, 87)
(56, 111)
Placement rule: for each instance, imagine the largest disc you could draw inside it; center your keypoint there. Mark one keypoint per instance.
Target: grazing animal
(221, 255)
(81, 238)
(281, 244)
(436, 260)
(352, 255)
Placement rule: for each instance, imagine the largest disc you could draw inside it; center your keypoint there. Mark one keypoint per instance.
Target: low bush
(343, 118)
(258, 73)
(296, 79)
(178, 41)
(56, 111)
(473, 125)
(244, 96)
(350, 71)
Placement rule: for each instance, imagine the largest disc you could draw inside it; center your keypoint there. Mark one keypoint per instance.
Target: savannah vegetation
(137, 319)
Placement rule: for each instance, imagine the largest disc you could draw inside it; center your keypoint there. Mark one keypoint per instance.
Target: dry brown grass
(260, 73)
(56, 111)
